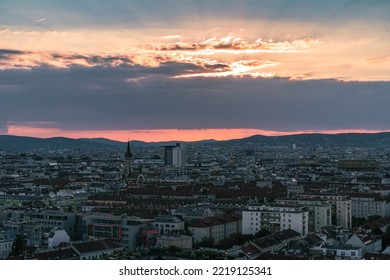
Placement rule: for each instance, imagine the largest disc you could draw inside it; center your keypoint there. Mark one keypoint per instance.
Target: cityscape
(194, 130)
(297, 197)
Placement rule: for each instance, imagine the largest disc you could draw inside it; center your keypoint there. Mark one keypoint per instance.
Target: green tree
(206, 242)
(17, 246)
(386, 238)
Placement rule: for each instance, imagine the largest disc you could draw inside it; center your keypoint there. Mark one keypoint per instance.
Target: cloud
(232, 42)
(15, 59)
(3, 128)
(40, 20)
(379, 59)
(121, 98)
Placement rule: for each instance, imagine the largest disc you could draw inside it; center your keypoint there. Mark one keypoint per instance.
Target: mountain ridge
(26, 143)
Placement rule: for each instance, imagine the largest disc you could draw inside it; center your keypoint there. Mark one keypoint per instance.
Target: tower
(128, 161)
(179, 156)
(175, 155)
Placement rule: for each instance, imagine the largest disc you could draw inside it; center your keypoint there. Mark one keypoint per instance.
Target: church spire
(128, 153)
(128, 169)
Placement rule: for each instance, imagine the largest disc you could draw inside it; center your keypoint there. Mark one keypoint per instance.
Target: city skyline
(193, 70)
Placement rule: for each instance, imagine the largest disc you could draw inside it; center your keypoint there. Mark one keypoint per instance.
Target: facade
(179, 156)
(168, 224)
(320, 212)
(168, 159)
(275, 218)
(123, 230)
(368, 244)
(215, 228)
(6, 241)
(367, 205)
(294, 190)
(56, 219)
(180, 241)
(175, 156)
(342, 207)
(56, 237)
(342, 252)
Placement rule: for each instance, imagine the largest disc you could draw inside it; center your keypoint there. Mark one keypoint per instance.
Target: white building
(179, 156)
(56, 237)
(168, 224)
(342, 207)
(365, 205)
(275, 218)
(342, 252)
(320, 211)
(368, 244)
(6, 241)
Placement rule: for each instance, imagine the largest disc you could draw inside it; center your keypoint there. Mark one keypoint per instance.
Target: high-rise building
(168, 150)
(175, 156)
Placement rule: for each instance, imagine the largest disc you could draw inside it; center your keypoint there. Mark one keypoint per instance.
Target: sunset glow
(156, 135)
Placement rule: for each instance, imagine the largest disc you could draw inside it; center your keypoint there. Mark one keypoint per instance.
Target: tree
(18, 246)
(206, 242)
(386, 238)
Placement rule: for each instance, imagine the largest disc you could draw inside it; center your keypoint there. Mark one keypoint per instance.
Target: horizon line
(162, 134)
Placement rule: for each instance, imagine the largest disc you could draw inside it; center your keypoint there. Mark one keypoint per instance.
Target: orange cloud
(237, 44)
(294, 51)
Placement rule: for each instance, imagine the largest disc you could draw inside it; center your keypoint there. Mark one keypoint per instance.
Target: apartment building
(320, 211)
(215, 228)
(342, 207)
(123, 230)
(275, 218)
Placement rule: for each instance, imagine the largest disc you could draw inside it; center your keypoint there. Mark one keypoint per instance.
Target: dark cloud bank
(136, 97)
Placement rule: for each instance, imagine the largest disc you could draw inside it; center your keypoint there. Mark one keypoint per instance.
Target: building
(6, 241)
(341, 252)
(358, 165)
(30, 231)
(178, 241)
(365, 205)
(175, 156)
(168, 155)
(271, 243)
(294, 190)
(168, 224)
(56, 219)
(95, 250)
(368, 243)
(215, 229)
(320, 211)
(275, 218)
(123, 230)
(342, 207)
(56, 237)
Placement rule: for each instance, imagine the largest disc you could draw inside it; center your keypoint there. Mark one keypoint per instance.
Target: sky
(193, 69)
